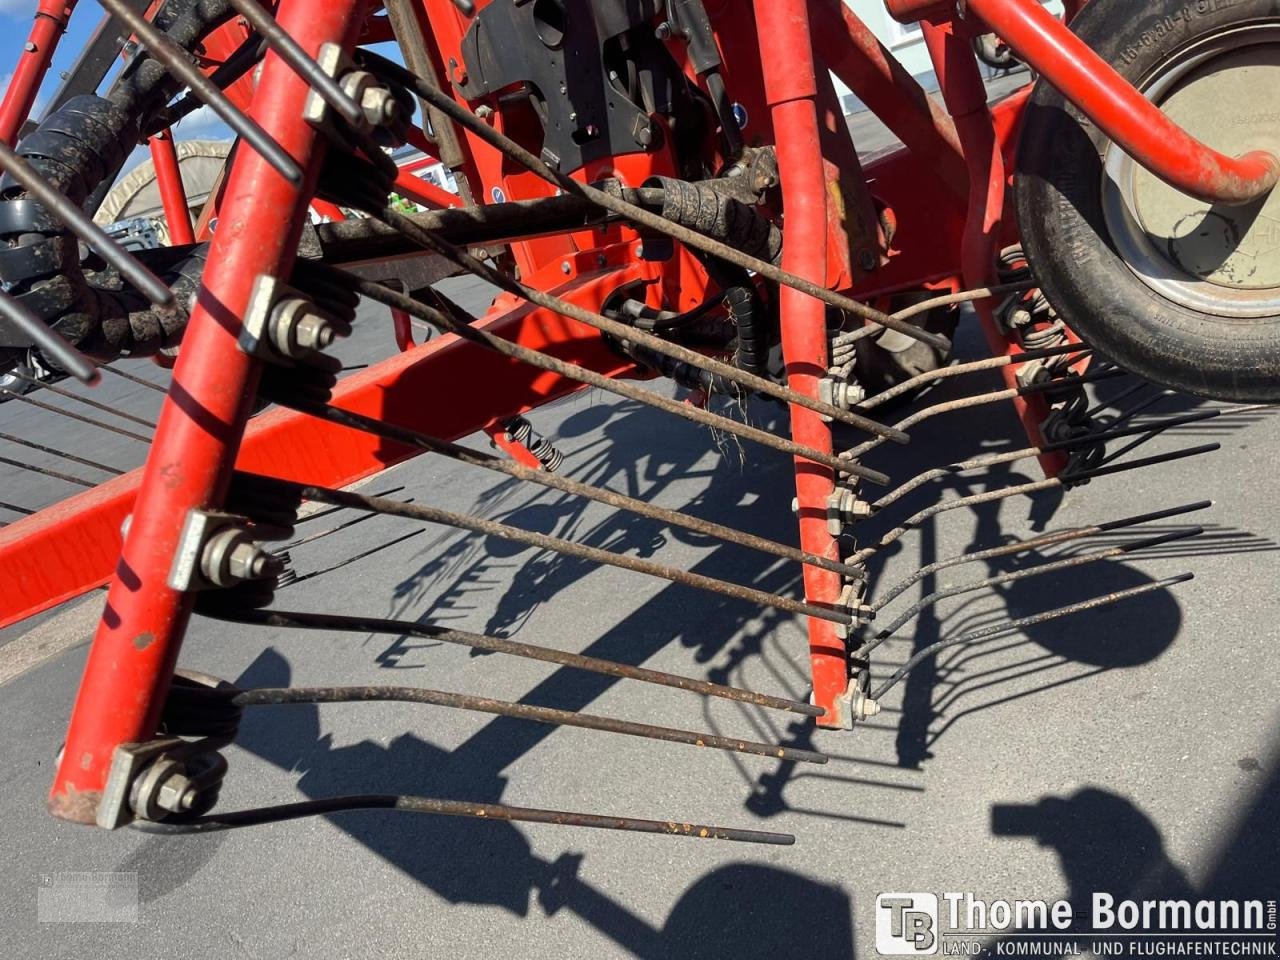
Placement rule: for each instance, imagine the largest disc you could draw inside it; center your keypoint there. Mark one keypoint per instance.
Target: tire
(1062, 209)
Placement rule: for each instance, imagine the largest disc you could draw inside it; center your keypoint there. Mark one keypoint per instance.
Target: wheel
(1179, 291)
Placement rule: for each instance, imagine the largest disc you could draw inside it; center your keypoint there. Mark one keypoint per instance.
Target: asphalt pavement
(1132, 749)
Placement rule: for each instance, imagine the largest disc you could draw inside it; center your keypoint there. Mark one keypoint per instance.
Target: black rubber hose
(80, 148)
(699, 206)
(753, 339)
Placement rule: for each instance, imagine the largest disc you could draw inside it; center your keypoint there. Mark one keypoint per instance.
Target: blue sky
(15, 25)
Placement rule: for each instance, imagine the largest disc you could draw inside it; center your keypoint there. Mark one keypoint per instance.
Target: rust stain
(144, 640)
(76, 806)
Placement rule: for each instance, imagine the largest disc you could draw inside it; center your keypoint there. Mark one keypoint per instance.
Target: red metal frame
(941, 198)
(173, 195)
(50, 22)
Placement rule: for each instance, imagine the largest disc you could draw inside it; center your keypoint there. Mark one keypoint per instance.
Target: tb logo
(907, 923)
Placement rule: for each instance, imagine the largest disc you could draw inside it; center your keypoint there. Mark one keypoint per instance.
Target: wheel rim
(1215, 259)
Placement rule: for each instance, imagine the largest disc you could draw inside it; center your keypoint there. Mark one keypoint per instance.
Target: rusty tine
(179, 63)
(528, 651)
(458, 808)
(544, 541)
(48, 341)
(1103, 601)
(272, 696)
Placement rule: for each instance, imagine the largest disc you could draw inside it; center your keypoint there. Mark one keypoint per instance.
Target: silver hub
(1218, 259)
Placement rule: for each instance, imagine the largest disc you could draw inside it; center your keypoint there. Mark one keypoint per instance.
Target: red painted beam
(445, 387)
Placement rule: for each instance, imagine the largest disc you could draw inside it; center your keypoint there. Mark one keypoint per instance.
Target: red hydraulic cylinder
(1131, 120)
(791, 89)
(201, 424)
(173, 195)
(51, 20)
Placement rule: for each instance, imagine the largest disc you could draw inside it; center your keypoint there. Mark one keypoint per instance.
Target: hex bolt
(380, 106)
(231, 556)
(298, 329)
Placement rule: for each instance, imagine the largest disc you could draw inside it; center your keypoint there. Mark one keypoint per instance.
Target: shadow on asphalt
(743, 909)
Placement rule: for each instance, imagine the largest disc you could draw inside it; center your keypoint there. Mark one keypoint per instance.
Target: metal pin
(544, 541)
(178, 62)
(528, 651)
(1012, 576)
(83, 227)
(1035, 543)
(1095, 603)
(1035, 486)
(48, 341)
(506, 708)
(543, 361)
(428, 240)
(564, 484)
(458, 808)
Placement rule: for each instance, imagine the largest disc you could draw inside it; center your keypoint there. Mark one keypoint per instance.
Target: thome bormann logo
(908, 924)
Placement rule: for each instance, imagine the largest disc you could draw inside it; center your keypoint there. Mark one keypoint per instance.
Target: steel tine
(178, 62)
(83, 227)
(289, 50)
(1012, 576)
(1103, 601)
(14, 395)
(105, 408)
(60, 453)
(1101, 436)
(1053, 539)
(493, 528)
(961, 369)
(273, 696)
(564, 484)
(978, 400)
(528, 651)
(48, 341)
(428, 240)
(1035, 486)
(456, 808)
(543, 361)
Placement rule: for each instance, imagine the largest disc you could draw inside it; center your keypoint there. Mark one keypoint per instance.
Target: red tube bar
(51, 19)
(791, 89)
(131, 661)
(962, 88)
(851, 51)
(173, 195)
(1121, 112)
